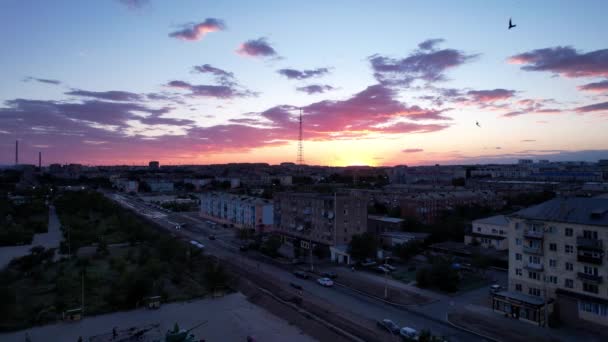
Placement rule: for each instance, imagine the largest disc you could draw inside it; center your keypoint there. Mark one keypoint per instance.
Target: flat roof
(385, 218)
(497, 220)
(521, 297)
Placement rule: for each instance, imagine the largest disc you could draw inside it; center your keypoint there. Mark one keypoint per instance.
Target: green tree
(405, 251)
(363, 246)
(271, 246)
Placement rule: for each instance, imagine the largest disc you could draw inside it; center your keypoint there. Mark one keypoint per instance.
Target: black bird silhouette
(511, 24)
(477, 123)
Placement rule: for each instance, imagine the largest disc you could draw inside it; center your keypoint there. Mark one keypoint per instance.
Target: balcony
(590, 278)
(596, 260)
(534, 234)
(587, 243)
(534, 267)
(533, 250)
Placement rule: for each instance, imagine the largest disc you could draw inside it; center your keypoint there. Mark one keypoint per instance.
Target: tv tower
(300, 146)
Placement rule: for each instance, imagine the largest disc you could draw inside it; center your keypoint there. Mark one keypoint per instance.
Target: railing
(534, 234)
(534, 267)
(590, 277)
(533, 250)
(583, 242)
(589, 259)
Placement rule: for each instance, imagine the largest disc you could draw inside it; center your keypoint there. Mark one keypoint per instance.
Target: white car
(409, 333)
(325, 282)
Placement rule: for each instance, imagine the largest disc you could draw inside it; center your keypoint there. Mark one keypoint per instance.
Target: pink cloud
(565, 61)
(596, 107)
(597, 87)
(412, 150)
(194, 32)
(256, 48)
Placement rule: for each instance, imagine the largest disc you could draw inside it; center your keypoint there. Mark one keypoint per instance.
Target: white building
(239, 210)
(489, 232)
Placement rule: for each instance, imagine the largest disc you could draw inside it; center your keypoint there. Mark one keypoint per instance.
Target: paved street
(224, 246)
(231, 318)
(50, 239)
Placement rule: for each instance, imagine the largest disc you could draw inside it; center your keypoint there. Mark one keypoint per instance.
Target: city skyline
(383, 83)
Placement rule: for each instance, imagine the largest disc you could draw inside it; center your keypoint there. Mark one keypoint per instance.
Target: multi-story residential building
(489, 232)
(557, 257)
(303, 219)
(239, 210)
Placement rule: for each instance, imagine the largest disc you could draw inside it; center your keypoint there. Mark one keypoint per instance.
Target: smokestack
(16, 152)
(40, 161)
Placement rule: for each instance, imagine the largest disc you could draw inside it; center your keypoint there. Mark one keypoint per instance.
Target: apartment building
(239, 210)
(489, 232)
(557, 261)
(310, 218)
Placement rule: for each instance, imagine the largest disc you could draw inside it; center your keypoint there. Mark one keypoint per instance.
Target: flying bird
(477, 123)
(511, 24)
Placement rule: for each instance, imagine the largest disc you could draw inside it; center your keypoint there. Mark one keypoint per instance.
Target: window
(534, 259)
(591, 288)
(553, 247)
(517, 256)
(551, 279)
(534, 291)
(568, 232)
(518, 271)
(590, 234)
(502, 232)
(517, 225)
(552, 229)
(594, 308)
(533, 275)
(569, 249)
(518, 242)
(479, 229)
(569, 283)
(590, 270)
(518, 287)
(569, 266)
(552, 262)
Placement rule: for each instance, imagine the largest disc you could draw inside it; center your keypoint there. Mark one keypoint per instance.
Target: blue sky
(110, 46)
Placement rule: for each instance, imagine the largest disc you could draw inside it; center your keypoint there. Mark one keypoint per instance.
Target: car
(330, 275)
(296, 286)
(495, 288)
(388, 325)
(301, 274)
(381, 269)
(391, 268)
(325, 282)
(211, 237)
(409, 334)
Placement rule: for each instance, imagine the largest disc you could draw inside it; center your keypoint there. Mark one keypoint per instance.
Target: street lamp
(385, 280)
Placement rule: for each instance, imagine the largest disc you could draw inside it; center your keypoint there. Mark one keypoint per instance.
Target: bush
(423, 277)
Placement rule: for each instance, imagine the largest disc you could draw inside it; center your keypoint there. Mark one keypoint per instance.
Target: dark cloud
(41, 80)
(134, 4)
(256, 48)
(200, 30)
(112, 95)
(533, 106)
(565, 61)
(429, 44)
(216, 91)
(222, 76)
(303, 74)
(596, 107)
(315, 89)
(483, 96)
(599, 87)
(412, 150)
(427, 64)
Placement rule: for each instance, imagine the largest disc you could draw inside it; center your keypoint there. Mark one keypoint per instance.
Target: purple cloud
(222, 76)
(198, 31)
(315, 89)
(303, 74)
(256, 48)
(216, 91)
(596, 107)
(483, 96)
(412, 150)
(565, 61)
(41, 80)
(112, 95)
(426, 64)
(429, 44)
(598, 87)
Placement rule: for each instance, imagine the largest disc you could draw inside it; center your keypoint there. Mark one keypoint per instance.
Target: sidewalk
(485, 321)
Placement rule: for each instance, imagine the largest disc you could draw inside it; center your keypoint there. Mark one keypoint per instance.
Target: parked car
(301, 275)
(389, 267)
(296, 286)
(381, 269)
(325, 282)
(495, 288)
(368, 263)
(330, 275)
(388, 325)
(409, 334)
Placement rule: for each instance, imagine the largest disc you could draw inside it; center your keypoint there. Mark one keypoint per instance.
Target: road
(224, 246)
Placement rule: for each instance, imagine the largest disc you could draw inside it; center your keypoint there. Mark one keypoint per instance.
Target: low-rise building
(380, 224)
(557, 261)
(239, 210)
(489, 232)
(397, 238)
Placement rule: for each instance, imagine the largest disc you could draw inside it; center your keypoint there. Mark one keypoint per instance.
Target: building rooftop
(578, 210)
(498, 220)
(521, 297)
(415, 235)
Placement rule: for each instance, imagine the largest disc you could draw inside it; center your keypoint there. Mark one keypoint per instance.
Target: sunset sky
(379, 82)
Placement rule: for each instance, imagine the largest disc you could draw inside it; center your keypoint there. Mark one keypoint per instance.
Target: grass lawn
(472, 281)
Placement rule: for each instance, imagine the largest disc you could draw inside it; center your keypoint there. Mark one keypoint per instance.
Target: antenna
(300, 147)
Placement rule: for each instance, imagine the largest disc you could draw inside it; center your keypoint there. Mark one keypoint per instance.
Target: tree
(423, 277)
(363, 246)
(271, 246)
(405, 251)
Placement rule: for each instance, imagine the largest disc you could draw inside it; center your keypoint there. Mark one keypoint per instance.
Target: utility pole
(385, 283)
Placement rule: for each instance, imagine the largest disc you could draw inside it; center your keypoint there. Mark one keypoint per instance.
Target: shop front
(519, 306)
